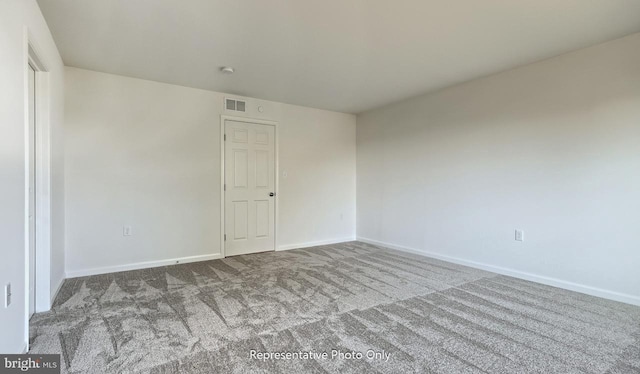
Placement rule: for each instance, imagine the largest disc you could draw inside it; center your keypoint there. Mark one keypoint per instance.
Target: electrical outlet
(126, 231)
(7, 295)
(519, 235)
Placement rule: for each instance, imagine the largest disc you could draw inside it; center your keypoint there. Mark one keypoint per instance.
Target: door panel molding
(239, 137)
(41, 152)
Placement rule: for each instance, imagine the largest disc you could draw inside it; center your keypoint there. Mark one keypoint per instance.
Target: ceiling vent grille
(235, 105)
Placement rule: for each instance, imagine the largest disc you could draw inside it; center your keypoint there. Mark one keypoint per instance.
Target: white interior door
(32, 190)
(249, 188)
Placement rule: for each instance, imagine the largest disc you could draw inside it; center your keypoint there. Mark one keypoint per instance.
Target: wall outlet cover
(7, 295)
(519, 235)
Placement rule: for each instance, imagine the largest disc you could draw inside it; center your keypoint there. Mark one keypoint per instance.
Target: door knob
(271, 194)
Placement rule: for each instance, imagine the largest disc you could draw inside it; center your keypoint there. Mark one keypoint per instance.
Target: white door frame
(43, 178)
(223, 119)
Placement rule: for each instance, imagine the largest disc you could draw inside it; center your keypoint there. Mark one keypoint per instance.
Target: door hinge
(225, 137)
(225, 186)
(225, 237)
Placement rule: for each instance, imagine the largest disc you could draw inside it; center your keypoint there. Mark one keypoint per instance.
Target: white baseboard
(593, 291)
(287, 247)
(140, 265)
(55, 293)
(182, 260)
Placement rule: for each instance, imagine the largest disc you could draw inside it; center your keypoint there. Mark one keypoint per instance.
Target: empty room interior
(339, 186)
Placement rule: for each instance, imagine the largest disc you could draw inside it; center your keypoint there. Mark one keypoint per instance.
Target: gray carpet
(427, 315)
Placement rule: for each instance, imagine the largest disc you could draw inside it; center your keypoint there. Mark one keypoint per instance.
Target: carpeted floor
(426, 315)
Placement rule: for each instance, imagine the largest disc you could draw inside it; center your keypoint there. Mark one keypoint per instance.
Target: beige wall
(147, 155)
(552, 148)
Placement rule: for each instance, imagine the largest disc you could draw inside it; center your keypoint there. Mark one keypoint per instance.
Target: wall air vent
(235, 105)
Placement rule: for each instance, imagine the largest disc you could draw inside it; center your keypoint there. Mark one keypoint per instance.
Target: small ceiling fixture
(227, 69)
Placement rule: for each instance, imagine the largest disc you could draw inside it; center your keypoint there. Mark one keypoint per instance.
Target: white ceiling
(342, 55)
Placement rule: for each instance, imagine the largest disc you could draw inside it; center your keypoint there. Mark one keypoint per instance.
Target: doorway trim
(42, 150)
(223, 119)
